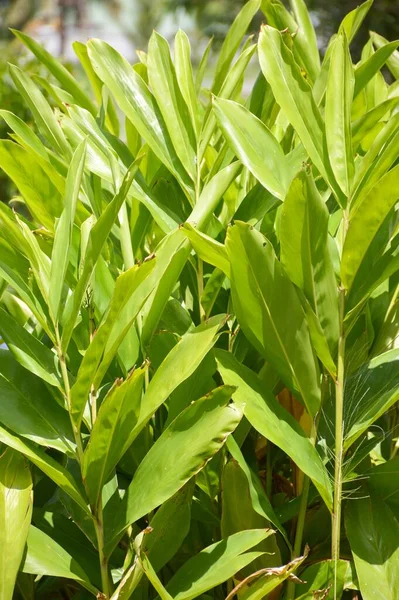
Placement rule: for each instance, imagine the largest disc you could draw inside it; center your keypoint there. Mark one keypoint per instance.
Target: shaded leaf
(373, 534)
(305, 252)
(216, 564)
(28, 409)
(47, 464)
(45, 557)
(262, 297)
(30, 352)
(16, 502)
(365, 221)
(273, 421)
(180, 452)
(110, 436)
(369, 393)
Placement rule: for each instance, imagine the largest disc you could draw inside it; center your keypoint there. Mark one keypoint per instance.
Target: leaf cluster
(199, 377)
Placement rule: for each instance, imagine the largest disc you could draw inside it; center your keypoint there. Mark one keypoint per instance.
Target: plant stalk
(300, 524)
(67, 390)
(269, 470)
(125, 237)
(99, 527)
(200, 280)
(93, 392)
(339, 442)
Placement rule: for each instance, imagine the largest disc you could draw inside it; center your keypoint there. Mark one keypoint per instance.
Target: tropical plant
(200, 375)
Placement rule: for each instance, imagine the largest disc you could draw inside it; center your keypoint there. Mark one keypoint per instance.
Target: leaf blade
(339, 95)
(16, 501)
(262, 296)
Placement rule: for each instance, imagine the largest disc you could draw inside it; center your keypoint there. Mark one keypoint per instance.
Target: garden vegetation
(199, 315)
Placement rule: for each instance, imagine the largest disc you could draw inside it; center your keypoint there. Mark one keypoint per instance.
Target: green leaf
(260, 502)
(16, 502)
(45, 557)
(305, 253)
(232, 42)
(101, 156)
(211, 195)
(294, 95)
(318, 578)
(27, 407)
(39, 261)
(169, 527)
(231, 88)
(373, 534)
(238, 514)
(137, 103)
(111, 433)
(339, 95)
(129, 295)
(362, 126)
(64, 530)
(25, 134)
(365, 221)
(370, 67)
(305, 37)
(208, 249)
(18, 281)
(172, 254)
(153, 577)
(174, 250)
(199, 76)
(180, 452)
(257, 585)
(98, 236)
(28, 350)
(58, 70)
(354, 19)
(48, 465)
(198, 384)
(318, 337)
(369, 393)
(39, 189)
(273, 421)
(393, 60)
(164, 86)
(41, 110)
(304, 50)
(63, 233)
(254, 145)
(256, 204)
(215, 564)
(185, 78)
(380, 157)
(178, 365)
(383, 480)
(262, 297)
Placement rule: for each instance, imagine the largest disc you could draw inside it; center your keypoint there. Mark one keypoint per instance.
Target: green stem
(99, 527)
(269, 470)
(200, 280)
(300, 524)
(67, 391)
(125, 237)
(93, 392)
(339, 443)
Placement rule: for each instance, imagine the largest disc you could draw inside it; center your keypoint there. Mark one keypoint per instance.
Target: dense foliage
(199, 377)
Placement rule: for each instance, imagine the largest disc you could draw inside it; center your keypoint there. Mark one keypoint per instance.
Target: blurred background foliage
(127, 25)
